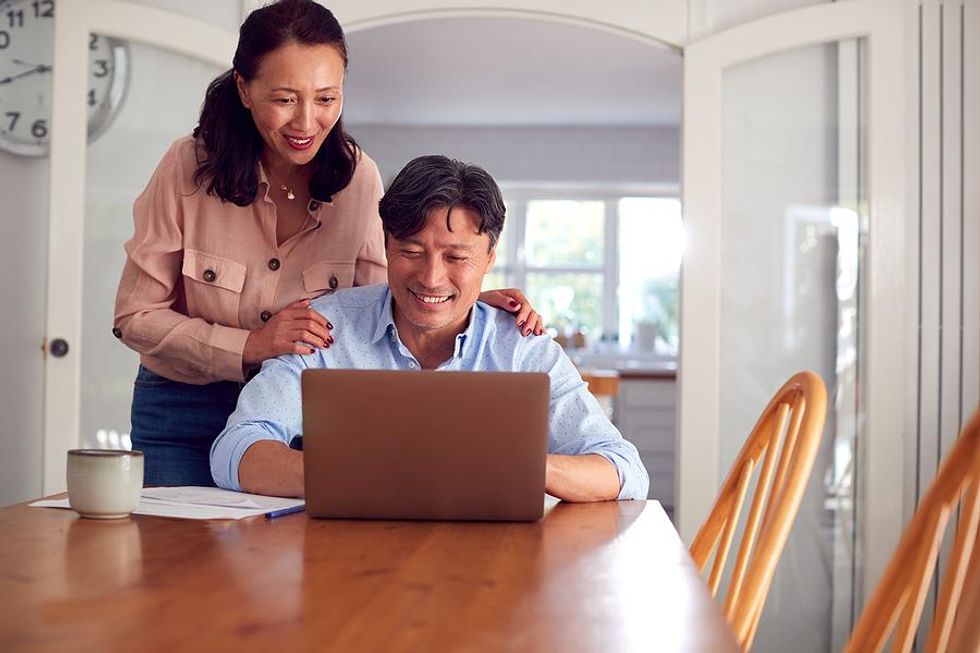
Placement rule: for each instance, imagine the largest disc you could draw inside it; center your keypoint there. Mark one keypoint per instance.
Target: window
(605, 264)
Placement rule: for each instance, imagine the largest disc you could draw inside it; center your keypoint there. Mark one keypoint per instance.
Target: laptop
(383, 444)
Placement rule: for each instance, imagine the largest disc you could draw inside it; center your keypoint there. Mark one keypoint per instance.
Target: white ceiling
(508, 71)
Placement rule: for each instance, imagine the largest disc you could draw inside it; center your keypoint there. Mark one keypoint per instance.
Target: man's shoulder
(501, 331)
(356, 299)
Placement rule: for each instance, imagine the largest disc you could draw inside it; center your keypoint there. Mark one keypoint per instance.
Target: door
(793, 198)
(88, 383)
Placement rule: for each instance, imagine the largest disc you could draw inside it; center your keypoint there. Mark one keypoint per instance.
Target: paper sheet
(197, 503)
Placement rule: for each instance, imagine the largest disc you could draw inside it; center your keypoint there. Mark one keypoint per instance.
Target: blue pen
(272, 514)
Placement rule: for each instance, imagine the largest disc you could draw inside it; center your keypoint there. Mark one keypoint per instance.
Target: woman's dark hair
(232, 145)
(433, 182)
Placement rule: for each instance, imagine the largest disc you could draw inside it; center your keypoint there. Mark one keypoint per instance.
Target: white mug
(104, 483)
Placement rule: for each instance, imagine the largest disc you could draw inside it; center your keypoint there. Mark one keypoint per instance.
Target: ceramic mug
(104, 483)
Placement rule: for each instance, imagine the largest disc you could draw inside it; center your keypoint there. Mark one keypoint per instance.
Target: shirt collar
(386, 324)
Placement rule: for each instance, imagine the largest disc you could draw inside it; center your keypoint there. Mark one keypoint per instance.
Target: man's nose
(433, 272)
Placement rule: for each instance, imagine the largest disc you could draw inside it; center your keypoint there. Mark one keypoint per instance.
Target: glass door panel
(161, 104)
(791, 266)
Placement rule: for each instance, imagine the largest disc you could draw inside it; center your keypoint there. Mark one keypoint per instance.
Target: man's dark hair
(436, 181)
(231, 145)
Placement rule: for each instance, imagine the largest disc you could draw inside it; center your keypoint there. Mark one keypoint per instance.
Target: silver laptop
(381, 444)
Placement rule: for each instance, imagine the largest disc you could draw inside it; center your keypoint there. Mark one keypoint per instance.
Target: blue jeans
(174, 425)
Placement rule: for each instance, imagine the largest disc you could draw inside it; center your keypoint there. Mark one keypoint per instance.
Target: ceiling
(507, 72)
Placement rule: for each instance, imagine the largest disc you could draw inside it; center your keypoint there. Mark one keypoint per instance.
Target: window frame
(514, 269)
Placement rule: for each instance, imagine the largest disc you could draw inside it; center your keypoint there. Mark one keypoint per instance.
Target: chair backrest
(786, 439)
(897, 602)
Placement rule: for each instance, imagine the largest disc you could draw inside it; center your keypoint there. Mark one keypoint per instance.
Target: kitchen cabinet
(646, 414)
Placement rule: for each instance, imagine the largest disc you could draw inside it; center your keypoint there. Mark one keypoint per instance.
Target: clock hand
(21, 62)
(40, 68)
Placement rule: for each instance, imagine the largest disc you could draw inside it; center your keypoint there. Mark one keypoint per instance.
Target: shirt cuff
(227, 452)
(228, 346)
(633, 483)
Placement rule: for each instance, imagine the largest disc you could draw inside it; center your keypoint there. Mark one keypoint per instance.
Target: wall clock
(26, 51)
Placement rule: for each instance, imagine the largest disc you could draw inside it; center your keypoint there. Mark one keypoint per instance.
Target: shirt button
(412, 364)
(266, 316)
(334, 283)
(274, 264)
(116, 331)
(210, 276)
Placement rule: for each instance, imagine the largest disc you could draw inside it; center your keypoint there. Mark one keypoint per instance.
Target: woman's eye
(282, 100)
(328, 100)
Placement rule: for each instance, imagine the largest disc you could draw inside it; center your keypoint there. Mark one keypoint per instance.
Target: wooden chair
(789, 431)
(898, 600)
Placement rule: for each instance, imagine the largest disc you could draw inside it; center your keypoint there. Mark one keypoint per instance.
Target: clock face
(26, 52)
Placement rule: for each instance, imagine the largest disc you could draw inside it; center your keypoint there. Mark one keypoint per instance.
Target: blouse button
(334, 283)
(274, 264)
(266, 316)
(210, 275)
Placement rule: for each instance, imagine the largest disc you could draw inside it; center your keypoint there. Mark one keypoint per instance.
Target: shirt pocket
(213, 286)
(327, 276)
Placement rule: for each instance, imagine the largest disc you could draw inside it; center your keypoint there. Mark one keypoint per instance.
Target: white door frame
(73, 22)
(882, 23)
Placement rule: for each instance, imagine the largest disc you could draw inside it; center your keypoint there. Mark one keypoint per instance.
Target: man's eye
(456, 259)
(411, 252)
(327, 100)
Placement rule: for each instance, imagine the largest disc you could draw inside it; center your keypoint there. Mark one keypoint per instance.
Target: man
(442, 220)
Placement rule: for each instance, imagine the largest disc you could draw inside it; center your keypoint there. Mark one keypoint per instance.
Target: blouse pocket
(327, 276)
(213, 286)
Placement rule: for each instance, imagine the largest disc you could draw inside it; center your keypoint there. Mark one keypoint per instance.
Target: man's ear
(242, 91)
(491, 260)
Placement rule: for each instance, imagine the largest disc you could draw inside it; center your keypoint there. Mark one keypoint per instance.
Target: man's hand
(581, 478)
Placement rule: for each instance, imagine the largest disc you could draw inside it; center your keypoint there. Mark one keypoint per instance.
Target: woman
(268, 204)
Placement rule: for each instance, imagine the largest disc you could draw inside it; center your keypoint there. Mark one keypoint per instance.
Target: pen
(272, 514)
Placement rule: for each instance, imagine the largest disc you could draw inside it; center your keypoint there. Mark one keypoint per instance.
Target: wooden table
(602, 577)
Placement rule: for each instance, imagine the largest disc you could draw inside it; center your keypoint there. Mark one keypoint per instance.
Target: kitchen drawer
(646, 419)
(648, 394)
(651, 434)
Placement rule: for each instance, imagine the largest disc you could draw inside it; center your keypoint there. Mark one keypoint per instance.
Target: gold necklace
(290, 195)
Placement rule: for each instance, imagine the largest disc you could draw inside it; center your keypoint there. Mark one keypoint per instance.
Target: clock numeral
(4, 40)
(93, 41)
(14, 117)
(39, 129)
(91, 97)
(101, 67)
(43, 8)
(16, 18)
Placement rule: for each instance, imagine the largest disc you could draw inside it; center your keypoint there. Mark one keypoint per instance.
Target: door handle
(58, 347)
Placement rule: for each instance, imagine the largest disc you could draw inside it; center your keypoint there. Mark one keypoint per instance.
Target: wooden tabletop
(612, 576)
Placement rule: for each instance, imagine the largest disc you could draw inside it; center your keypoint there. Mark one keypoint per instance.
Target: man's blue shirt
(269, 407)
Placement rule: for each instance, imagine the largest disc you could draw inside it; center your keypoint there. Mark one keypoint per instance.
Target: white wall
(556, 154)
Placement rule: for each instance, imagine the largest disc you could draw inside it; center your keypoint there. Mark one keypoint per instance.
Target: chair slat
(952, 585)
(752, 523)
(730, 526)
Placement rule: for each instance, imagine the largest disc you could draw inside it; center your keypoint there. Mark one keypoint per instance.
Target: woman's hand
(514, 301)
(296, 329)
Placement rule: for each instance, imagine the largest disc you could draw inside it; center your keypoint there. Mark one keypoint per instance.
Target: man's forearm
(272, 468)
(581, 478)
